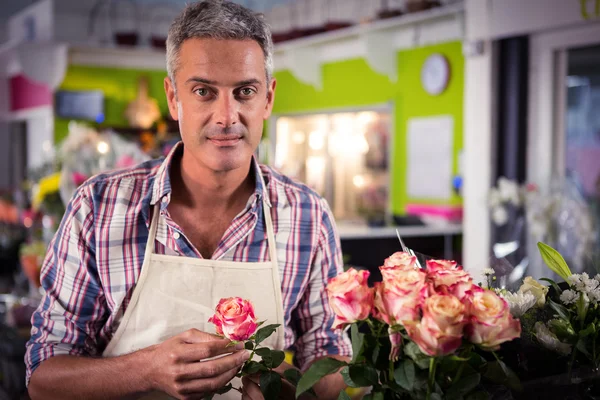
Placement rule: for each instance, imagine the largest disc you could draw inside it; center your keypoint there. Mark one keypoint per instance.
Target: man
(142, 256)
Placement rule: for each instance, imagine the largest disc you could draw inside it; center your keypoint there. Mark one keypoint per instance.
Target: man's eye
(247, 92)
(202, 92)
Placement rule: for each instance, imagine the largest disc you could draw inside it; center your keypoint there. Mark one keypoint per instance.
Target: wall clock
(435, 74)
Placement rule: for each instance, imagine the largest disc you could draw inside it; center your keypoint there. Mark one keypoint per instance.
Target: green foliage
(554, 260)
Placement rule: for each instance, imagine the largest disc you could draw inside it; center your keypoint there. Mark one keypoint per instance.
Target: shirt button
(176, 236)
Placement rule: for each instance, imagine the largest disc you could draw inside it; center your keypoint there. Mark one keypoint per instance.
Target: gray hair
(218, 19)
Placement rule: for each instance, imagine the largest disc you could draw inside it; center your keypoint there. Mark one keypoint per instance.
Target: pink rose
(398, 261)
(396, 342)
(445, 274)
(350, 297)
(491, 322)
(234, 318)
(398, 296)
(440, 331)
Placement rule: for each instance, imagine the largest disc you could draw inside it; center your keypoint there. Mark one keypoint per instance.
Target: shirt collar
(161, 191)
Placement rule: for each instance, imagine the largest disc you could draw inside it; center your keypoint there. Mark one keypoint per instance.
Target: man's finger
(251, 390)
(209, 385)
(218, 366)
(197, 336)
(201, 351)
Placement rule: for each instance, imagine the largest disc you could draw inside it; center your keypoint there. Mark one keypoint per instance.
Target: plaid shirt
(96, 256)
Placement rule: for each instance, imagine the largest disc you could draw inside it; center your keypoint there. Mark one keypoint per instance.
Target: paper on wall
(430, 151)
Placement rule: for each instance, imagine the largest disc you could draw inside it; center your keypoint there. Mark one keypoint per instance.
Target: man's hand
(180, 366)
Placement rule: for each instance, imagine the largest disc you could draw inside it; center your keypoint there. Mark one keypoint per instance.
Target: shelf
(118, 57)
(349, 231)
(376, 42)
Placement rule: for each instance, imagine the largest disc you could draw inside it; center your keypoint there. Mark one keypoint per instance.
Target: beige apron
(176, 293)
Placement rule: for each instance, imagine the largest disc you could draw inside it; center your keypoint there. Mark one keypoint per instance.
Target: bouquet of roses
(419, 333)
(234, 319)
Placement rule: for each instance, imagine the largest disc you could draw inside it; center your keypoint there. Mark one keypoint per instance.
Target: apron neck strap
(153, 228)
(268, 221)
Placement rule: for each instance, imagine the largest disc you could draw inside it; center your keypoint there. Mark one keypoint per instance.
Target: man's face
(221, 101)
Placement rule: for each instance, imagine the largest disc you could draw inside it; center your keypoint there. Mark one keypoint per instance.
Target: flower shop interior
(463, 130)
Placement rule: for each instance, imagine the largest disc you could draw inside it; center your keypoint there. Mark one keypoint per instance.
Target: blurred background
(471, 128)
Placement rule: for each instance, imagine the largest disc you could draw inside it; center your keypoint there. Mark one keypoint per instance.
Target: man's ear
(171, 93)
(270, 98)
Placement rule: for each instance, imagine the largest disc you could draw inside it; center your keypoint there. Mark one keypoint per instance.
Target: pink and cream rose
(491, 322)
(398, 296)
(440, 331)
(445, 274)
(234, 318)
(350, 297)
(398, 261)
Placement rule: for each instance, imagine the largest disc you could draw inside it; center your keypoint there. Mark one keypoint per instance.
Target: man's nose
(226, 112)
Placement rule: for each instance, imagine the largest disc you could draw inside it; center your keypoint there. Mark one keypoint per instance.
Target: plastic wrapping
(524, 215)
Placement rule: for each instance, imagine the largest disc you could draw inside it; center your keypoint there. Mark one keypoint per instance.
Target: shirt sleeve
(73, 307)
(314, 315)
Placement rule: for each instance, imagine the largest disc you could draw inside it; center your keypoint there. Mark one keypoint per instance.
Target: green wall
(350, 83)
(119, 87)
(353, 83)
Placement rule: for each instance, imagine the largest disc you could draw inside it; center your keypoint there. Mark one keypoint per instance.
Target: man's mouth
(225, 140)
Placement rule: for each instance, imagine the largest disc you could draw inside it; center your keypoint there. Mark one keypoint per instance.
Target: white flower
(489, 271)
(499, 215)
(509, 191)
(519, 302)
(549, 339)
(494, 199)
(569, 297)
(584, 284)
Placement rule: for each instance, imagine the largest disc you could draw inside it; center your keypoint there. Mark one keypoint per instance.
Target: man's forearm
(71, 377)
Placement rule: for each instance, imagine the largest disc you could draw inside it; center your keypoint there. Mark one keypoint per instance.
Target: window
(343, 156)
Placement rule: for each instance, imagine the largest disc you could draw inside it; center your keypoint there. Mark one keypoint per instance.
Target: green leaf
(463, 386)
(581, 347)
(265, 355)
(435, 396)
(554, 261)
(316, 371)
(277, 358)
(265, 332)
(591, 328)
(270, 385)
(561, 310)
(582, 307)
(345, 372)
(404, 375)
(363, 375)
(343, 396)
(498, 372)
(562, 329)
(358, 340)
(412, 350)
(553, 284)
(374, 396)
(260, 323)
(249, 345)
(292, 375)
(476, 361)
(478, 396)
(252, 367)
